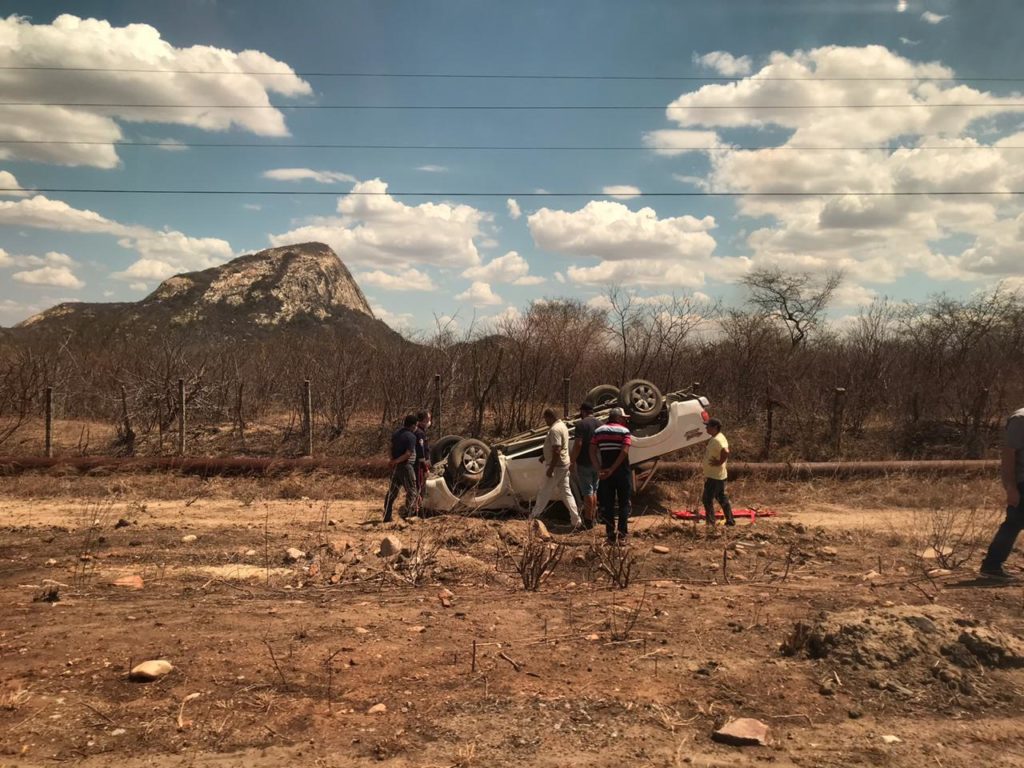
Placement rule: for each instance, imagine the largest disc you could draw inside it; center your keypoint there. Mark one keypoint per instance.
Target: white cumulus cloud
(406, 280)
(60, 277)
(514, 211)
(374, 229)
(510, 268)
(308, 174)
(933, 18)
(479, 294)
(70, 41)
(724, 63)
(621, 191)
(9, 186)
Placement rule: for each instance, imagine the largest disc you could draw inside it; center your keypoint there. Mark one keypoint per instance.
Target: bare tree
(796, 299)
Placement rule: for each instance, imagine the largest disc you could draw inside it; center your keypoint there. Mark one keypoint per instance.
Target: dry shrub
(422, 557)
(536, 561)
(619, 563)
(954, 535)
(95, 517)
(621, 628)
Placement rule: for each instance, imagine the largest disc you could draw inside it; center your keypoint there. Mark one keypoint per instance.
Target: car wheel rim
(643, 399)
(473, 459)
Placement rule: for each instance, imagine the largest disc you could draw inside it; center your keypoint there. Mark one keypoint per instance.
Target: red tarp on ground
(752, 512)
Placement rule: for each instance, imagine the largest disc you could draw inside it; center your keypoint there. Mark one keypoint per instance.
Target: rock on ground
(881, 638)
(743, 732)
(390, 546)
(148, 671)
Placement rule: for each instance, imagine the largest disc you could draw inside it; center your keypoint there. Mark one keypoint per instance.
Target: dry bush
(954, 535)
(422, 558)
(621, 628)
(619, 563)
(536, 561)
(95, 517)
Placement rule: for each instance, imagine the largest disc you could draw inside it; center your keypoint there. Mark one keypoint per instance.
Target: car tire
(439, 451)
(642, 400)
(468, 458)
(603, 394)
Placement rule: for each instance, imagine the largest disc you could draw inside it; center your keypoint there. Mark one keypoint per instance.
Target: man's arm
(595, 458)
(722, 457)
(574, 454)
(623, 455)
(403, 458)
(1008, 467)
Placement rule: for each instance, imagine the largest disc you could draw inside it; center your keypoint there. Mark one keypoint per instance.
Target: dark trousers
(404, 477)
(1006, 536)
(714, 490)
(614, 499)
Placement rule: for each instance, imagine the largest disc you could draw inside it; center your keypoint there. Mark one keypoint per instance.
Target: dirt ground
(898, 660)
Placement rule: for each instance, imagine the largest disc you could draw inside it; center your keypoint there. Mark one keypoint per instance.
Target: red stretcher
(698, 514)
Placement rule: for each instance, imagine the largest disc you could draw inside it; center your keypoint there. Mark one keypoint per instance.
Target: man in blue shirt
(403, 473)
(423, 421)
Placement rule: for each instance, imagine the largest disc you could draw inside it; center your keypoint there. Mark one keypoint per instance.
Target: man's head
(714, 427)
(410, 421)
(550, 417)
(617, 416)
(423, 418)
(587, 409)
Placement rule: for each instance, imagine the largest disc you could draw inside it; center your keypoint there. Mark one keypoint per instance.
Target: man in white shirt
(556, 458)
(1012, 472)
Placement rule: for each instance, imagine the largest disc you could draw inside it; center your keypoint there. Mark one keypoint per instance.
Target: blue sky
(486, 256)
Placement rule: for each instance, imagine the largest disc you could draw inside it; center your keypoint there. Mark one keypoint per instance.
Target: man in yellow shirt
(716, 454)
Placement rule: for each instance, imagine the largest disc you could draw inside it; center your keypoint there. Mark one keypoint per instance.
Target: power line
(171, 145)
(501, 76)
(512, 107)
(454, 193)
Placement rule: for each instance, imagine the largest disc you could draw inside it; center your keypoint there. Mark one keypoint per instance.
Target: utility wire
(513, 107)
(172, 145)
(480, 76)
(455, 193)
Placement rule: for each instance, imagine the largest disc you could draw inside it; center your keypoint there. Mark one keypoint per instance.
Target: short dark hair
(410, 420)
(587, 408)
(715, 424)
(422, 415)
(550, 412)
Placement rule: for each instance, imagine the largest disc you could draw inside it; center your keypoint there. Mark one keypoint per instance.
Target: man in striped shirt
(609, 451)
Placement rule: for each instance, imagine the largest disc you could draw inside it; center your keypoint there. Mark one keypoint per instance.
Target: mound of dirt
(880, 638)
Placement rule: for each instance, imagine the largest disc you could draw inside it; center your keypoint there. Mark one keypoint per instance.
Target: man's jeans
(1006, 536)
(714, 490)
(404, 477)
(613, 496)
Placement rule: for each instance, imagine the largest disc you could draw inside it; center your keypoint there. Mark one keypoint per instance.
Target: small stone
(890, 739)
(377, 709)
(829, 551)
(148, 671)
(390, 546)
(538, 529)
(744, 732)
(293, 555)
(855, 714)
(189, 538)
(418, 629)
(593, 637)
(828, 687)
(122, 523)
(250, 553)
(660, 549)
(870, 576)
(118, 732)
(51, 562)
(362, 631)
(931, 553)
(128, 582)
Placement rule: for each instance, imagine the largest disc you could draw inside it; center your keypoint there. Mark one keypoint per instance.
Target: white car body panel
(522, 473)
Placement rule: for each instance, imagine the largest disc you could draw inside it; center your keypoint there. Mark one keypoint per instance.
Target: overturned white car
(470, 476)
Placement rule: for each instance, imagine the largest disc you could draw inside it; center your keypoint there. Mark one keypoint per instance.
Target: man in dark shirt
(609, 450)
(403, 474)
(423, 421)
(1012, 474)
(580, 464)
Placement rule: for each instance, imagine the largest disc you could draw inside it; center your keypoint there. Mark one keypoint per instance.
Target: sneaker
(998, 572)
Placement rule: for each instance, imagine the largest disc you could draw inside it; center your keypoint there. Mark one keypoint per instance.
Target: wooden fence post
(181, 417)
(836, 427)
(437, 404)
(566, 381)
(307, 419)
(48, 417)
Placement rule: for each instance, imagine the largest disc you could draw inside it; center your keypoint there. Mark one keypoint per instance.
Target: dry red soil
(281, 662)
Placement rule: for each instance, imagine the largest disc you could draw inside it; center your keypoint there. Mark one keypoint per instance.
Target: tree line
(918, 379)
